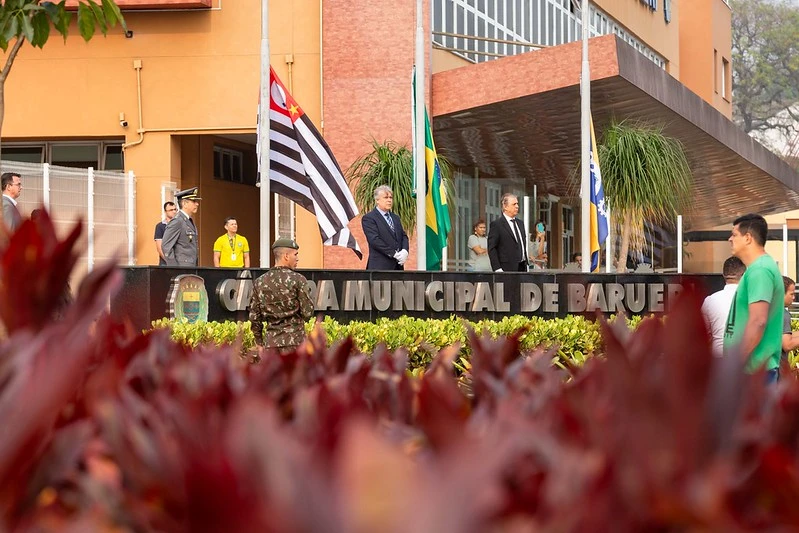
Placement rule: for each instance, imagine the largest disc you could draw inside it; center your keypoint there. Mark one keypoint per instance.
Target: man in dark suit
(180, 242)
(388, 243)
(507, 240)
(11, 184)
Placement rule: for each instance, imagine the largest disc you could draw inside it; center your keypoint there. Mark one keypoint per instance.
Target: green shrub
(217, 333)
(573, 338)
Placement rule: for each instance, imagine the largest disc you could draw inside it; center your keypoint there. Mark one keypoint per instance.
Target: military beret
(286, 243)
(191, 193)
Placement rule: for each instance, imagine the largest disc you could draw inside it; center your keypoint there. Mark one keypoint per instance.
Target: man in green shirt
(754, 324)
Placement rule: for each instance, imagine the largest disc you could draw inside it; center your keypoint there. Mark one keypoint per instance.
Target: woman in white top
(538, 250)
(478, 249)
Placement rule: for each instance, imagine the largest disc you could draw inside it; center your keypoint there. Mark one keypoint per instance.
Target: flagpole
(418, 163)
(608, 251)
(263, 138)
(585, 111)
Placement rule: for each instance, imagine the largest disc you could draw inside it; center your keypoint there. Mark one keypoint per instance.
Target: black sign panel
(366, 295)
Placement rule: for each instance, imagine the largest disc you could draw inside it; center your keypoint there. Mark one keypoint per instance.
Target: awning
(519, 117)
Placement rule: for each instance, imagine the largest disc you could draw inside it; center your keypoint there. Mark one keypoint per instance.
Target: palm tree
(646, 177)
(392, 164)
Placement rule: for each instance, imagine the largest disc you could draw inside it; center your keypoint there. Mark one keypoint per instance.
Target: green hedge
(217, 333)
(574, 338)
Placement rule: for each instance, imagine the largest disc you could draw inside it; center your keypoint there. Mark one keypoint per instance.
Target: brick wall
(367, 58)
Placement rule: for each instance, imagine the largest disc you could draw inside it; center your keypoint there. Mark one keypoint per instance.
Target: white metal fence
(481, 30)
(104, 200)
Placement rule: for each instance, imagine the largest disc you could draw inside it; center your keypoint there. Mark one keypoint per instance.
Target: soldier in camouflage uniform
(282, 300)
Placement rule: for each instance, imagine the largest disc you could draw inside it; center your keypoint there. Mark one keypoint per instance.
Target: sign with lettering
(224, 294)
(520, 294)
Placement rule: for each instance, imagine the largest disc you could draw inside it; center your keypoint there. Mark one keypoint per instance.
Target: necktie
(390, 222)
(518, 239)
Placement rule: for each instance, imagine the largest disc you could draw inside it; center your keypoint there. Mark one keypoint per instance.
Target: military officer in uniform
(180, 242)
(281, 299)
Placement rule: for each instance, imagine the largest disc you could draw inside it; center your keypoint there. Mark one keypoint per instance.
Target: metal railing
(486, 29)
(104, 200)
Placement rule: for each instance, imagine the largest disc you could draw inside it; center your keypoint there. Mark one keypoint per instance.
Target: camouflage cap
(286, 243)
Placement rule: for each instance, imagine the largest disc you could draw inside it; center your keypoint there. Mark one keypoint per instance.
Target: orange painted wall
(650, 27)
(295, 35)
(441, 60)
(200, 75)
(706, 26)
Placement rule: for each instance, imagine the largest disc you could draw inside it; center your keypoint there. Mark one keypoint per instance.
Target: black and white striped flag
(302, 168)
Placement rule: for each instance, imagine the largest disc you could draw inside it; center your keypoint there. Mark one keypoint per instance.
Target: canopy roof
(519, 117)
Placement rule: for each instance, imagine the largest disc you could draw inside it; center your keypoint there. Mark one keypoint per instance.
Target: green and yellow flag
(437, 220)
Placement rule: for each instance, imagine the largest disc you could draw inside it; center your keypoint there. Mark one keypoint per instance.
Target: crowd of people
(748, 318)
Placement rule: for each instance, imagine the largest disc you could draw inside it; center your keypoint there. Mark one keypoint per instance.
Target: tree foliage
(32, 20)
(392, 164)
(765, 65)
(646, 178)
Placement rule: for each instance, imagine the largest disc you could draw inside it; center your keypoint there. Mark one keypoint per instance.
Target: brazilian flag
(437, 220)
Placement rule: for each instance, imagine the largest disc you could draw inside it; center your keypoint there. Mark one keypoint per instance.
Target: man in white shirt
(717, 306)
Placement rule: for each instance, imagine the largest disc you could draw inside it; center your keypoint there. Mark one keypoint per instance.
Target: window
(725, 72)
(285, 217)
(100, 155)
(568, 234)
(75, 155)
(667, 11)
(113, 158)
(716, 71)
(545, 216)
(23, 154)
(228, 165)
(493, 201)
(466, 193)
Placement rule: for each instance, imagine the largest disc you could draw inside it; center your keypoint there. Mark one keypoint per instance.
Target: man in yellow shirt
(231, 250)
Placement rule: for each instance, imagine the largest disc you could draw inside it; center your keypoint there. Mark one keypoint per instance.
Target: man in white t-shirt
(717, 306)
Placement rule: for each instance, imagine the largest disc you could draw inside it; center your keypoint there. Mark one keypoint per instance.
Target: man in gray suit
(12, 188)
(181, 241)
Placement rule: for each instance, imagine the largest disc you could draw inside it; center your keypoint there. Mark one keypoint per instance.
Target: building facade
(175, 100)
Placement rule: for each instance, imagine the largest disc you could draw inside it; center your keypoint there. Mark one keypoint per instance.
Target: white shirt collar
(384, 213)
(12, 200)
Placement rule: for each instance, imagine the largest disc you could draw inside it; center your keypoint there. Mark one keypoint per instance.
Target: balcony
(488, 29)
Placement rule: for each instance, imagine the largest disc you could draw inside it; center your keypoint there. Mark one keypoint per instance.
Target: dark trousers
(521, 266)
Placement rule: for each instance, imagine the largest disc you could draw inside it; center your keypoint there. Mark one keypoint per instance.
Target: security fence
(105, 201)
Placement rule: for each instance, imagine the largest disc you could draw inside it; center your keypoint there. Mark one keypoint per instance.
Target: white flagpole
(263, 137)
(785, 249)
(608, 251)
(585, 113)
(679, 244)
(418, 164)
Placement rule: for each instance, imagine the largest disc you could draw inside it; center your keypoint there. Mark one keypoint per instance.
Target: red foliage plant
(105, 429)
